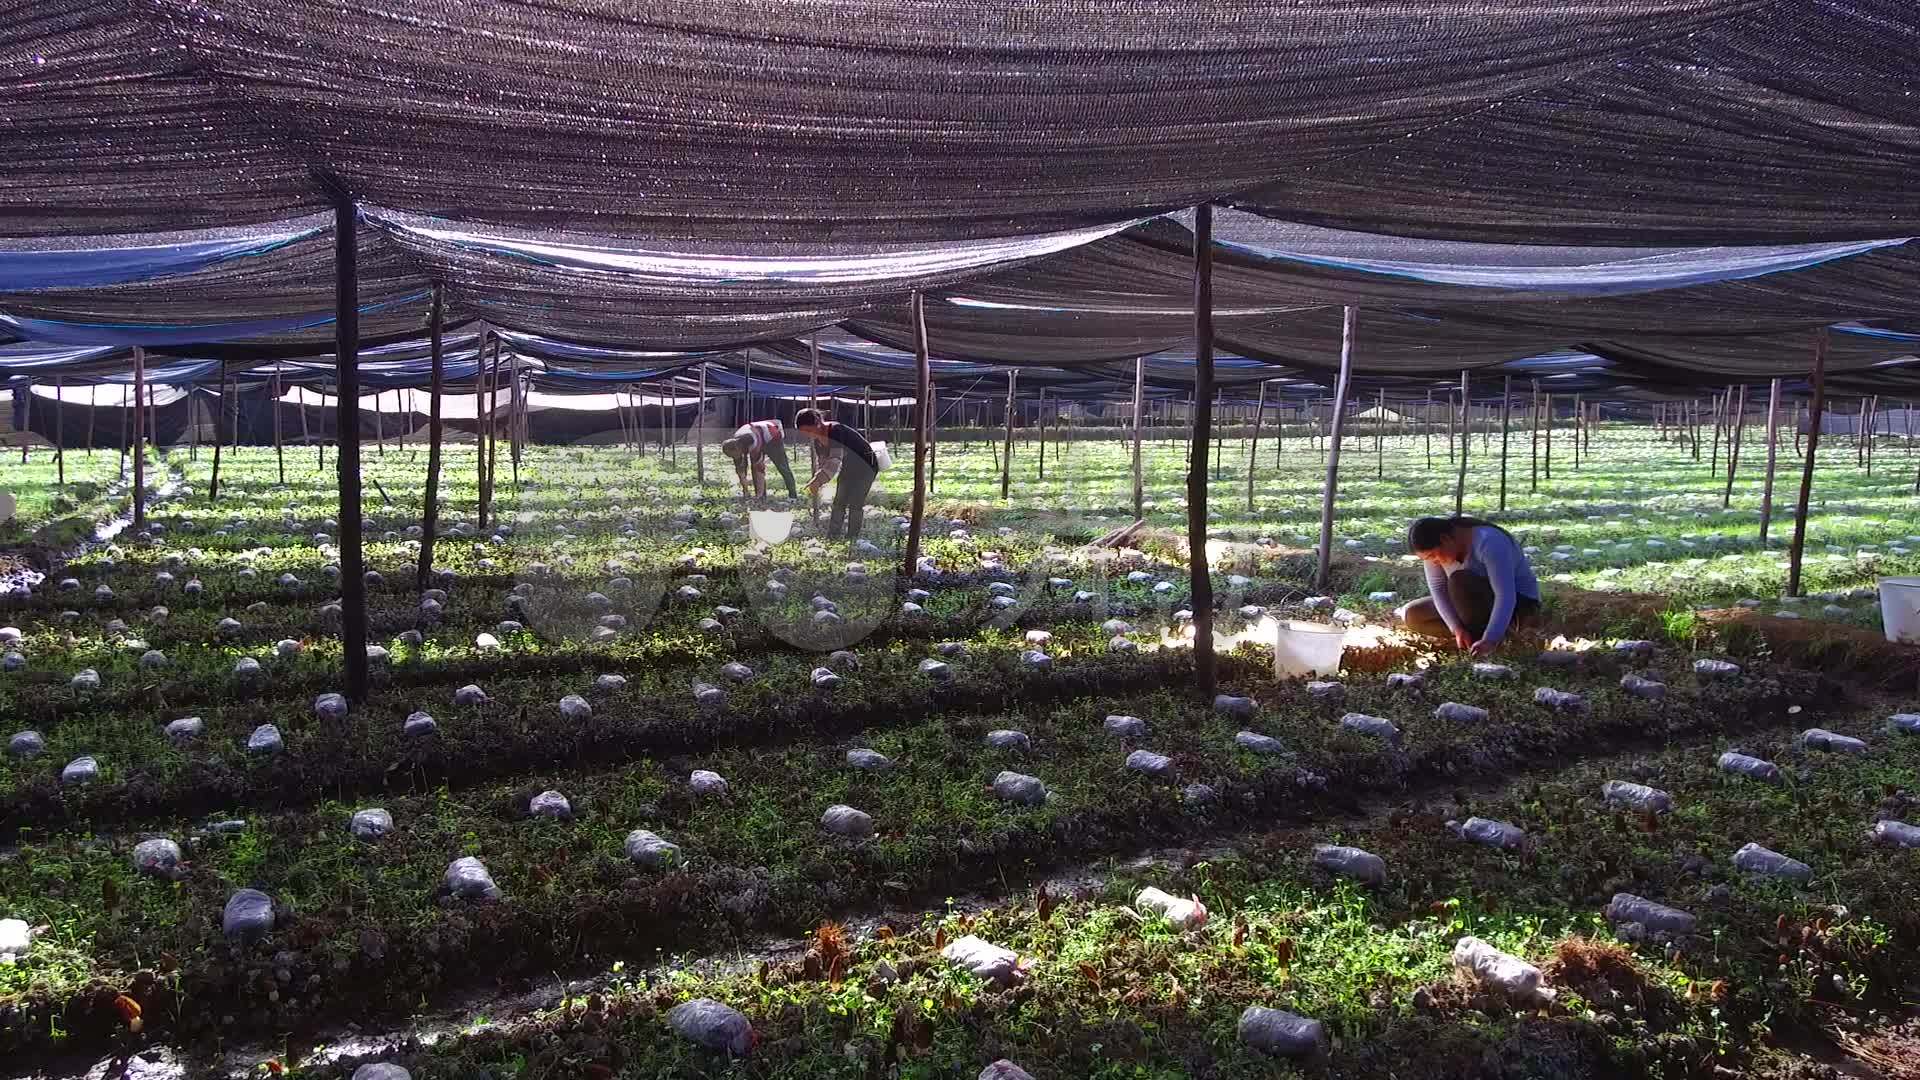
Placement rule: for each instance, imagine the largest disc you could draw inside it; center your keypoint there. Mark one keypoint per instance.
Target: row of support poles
(353, 582)
(430, 513)
(922, 394)
(1323, 572)
(1199, 568)
(1814, 413)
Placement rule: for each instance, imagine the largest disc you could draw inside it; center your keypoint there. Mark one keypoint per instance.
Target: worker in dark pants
(1480, 581)
(751, 446)
(848, 456)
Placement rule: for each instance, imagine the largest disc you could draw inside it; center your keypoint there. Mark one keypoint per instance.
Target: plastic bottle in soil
(1508, 974)
(1351, 862)
(1751, 767)
(1627, 908)
(1187, 914)
(1634, 796)
(1755, 859)
(1281, 1033)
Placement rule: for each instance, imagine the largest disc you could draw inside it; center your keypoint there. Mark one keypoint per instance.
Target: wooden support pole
(1253, 448)
(60, 429)
(353, 582)
(430, 511)
(1006, 457)
(1323, 567)
(1380, 436)
(813, 390)
(279, 445)
(93, 414)
(1040, 421)
(1139, 487)
(1733, 445)
(1466, 440)
(213, 485)
(1506, 423)
(1773, 446)
(1814, 411)
(1713, 464)
(923, 397)
(1873, 419)
(700, 433)
(1579, 430)
(26, 425)
(135, 448)
(1199, 572)
(1450, 451)
(1428, 425)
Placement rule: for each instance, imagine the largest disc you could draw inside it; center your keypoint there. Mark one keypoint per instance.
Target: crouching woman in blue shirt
(1479, 579)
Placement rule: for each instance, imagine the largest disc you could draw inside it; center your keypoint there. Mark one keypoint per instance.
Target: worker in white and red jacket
(752, 445)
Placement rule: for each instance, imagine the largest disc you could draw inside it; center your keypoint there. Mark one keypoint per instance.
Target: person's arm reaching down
(1502, 560)
(1442, 602)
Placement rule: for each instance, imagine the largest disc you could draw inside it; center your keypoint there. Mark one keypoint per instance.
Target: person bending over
(751, 445)
(1480, 582)
(851, 458)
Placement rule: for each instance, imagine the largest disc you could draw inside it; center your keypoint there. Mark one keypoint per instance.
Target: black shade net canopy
(1638, 194)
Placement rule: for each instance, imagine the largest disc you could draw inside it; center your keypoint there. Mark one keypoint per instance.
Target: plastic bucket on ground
(1900, 608)
(884, 455)
(1307, 648)
(770, 526)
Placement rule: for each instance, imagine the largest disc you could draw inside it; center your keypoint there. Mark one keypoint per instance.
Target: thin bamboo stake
(1806, 472)
(1253, 448)
(1323, 571)
(430, 511)
(1139, 386)
(1733, 445)
(923, 396)
(213, 486)
(60, 429)
(1506, 422)
(1773, 446)
(1006, 457)
(1460, 485)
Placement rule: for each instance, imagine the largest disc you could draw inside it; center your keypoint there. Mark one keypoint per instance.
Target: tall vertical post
(1040, 421)
(1579, 430)
(93, 414)
(430, 512)
(1506, 424)
(700, 432)
(1428, 426)
(213, 485)
(514, 397)
(60, 430)
(813, 390)
(1546, 459)
(1006, 458)
(1733, 445)
(1873, 420)
(1253, 448)
(1713, 463)
(279, 445)
(1199, 570)
(1814, 411)
(1139, 388)
(26, 426)
(1380, 436)
(1860, 436)
(923, 396)
(353, 582)
(1466, 440)
(1323, 572)
(1450, 439)
(1773, 446)
(137, 449)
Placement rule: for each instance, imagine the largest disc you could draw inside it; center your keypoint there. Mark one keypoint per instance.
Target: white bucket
(883, 455)
(770, 526)
(1308, 648)
(1900, 608)
(7, 506)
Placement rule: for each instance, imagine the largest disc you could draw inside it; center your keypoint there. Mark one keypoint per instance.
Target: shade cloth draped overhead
(762, 119)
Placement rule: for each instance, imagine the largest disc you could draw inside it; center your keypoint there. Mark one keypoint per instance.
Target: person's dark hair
(807, 418)
(1426, 533)
(736, 446)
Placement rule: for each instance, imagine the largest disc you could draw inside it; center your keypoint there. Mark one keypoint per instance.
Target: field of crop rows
(625, 755)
